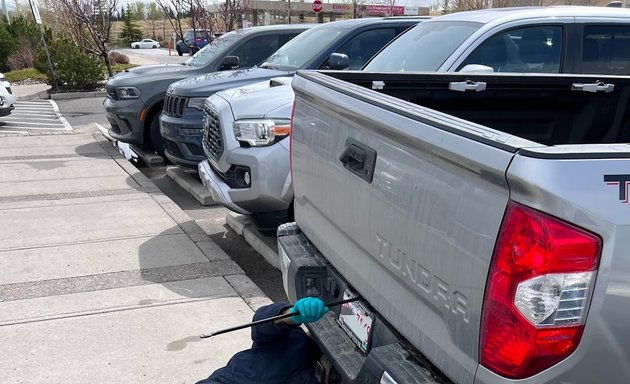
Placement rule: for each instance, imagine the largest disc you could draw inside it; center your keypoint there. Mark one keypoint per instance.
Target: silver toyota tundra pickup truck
(483, 220)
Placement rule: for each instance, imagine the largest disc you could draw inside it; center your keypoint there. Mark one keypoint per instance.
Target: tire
(179, 52)
(136, 46)
(155, 137)
(154, 47)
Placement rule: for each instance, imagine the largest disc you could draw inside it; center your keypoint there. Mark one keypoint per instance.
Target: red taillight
(538, 291)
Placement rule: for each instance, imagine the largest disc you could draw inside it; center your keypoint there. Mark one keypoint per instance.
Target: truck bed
(402, 182)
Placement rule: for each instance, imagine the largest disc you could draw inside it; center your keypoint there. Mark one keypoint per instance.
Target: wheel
(155, 46)
(136, 46)
(179, 52)
(155, 137)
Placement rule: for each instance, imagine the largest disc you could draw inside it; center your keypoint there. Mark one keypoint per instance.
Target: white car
(5, 83)
(145, 43)
(6, 101)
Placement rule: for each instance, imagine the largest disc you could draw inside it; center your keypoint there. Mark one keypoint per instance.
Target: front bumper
(182, 139)
(7, 102)
(219, 190)
(270, 188)
(124, 119)
(6, 111)
(305, 272)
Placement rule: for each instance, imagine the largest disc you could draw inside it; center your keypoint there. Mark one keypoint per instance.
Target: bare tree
(176, 12)
(89, 23)
(139, 10)
(203, 17)
(358, 8)
(500, 3)
(230, 13)
(446, 6)
(154, 15)
(470, 5)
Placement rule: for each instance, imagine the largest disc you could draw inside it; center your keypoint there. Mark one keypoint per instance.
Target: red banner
(392, 10)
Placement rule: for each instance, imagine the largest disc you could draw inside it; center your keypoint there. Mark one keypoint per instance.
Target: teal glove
(309, 310)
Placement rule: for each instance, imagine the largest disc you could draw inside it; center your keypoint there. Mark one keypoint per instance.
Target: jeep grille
(174, 105)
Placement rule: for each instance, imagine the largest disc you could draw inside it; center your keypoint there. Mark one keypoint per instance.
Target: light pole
(5, 11)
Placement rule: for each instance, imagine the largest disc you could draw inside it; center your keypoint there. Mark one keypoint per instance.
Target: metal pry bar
(274, 318)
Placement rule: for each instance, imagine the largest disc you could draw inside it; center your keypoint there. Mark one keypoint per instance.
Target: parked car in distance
(5, 83)
(7, 101)
(135, 97)
(145, 43)
(335, 45)
(193, 41)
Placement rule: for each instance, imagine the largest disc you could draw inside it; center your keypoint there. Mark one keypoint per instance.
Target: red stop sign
(317, 6)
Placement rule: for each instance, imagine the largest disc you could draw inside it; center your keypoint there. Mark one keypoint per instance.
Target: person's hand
(309, 309)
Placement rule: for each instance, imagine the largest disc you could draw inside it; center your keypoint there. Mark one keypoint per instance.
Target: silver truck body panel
(426, 225)
(565, 188)
(449, 217)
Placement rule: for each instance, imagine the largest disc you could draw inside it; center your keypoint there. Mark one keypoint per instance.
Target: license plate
(126, 150)
(356, 320)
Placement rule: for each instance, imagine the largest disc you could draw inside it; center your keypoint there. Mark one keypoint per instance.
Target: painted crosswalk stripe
(34, 117)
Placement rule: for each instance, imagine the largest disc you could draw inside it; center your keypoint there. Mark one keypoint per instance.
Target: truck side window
(256, 50)
(533, 49)
(606, 50)
(363, 46)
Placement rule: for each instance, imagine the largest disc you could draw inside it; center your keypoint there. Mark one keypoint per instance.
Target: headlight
(196, 102)
(261, 132)
(128, 92)
(4, 82)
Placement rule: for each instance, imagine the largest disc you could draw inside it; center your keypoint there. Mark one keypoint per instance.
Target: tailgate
(414, 236)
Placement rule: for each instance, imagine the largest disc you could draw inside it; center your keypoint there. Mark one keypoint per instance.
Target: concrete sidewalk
(103, 279)
(31, 91)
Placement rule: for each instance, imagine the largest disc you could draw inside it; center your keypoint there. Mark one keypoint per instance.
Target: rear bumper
(304, 270)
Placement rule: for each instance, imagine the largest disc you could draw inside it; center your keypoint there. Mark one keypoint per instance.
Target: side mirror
(338, 61)
(230, 62)
(476, 68)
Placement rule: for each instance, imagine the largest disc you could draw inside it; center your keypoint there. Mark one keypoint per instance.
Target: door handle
(359, 159)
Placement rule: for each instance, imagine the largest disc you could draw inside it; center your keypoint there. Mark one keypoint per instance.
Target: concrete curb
(190, 185)
(77, 95)
(265, 245)
(46, 94)
(35, 96)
